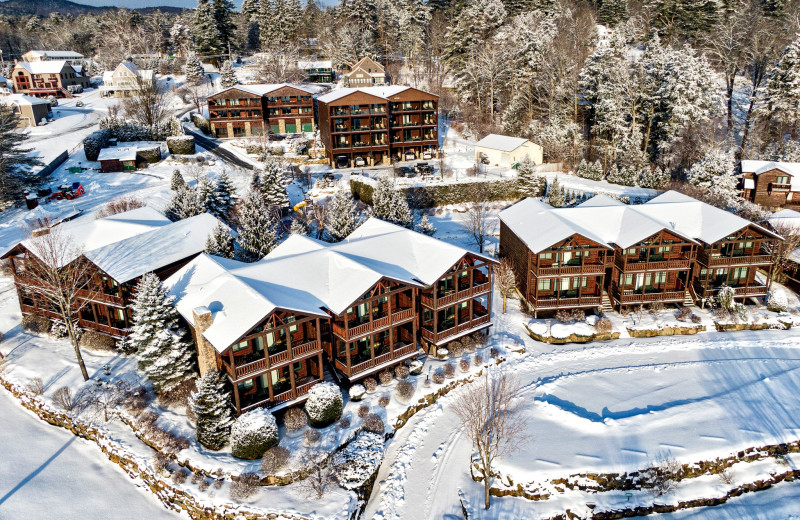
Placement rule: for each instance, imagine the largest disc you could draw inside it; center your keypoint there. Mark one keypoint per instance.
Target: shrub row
(420, 197)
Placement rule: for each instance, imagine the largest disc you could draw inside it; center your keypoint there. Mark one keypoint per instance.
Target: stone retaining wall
(572, 338)
(666, 331)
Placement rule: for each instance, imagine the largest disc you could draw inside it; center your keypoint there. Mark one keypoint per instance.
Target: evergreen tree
(257, 236)
(612, 12)
(626, 176)
(255, 182)
(342, 216)
(426, 227)
(195, 73)
(163, 355)
(14, 160)
(272, 183)
(206, 35)
(655, 178)
(211, 406)
(205, 193)
(390, 204)
(715, 173)
(185, 203)
(298, 227)
(555, 194)
(529, 183)
(250, 8)
(223, 16)
(588, 170)
(220, 202)
(220, 242)
(227, 76)
(176, 182)
(783, 87)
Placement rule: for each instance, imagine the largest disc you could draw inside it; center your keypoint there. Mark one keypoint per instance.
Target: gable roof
(759, 167)
(262, 89)
(366, 63)
(788, 217)
(22, 99)
(44, 67)
(60, 54)
(120, 153)
(503, 143)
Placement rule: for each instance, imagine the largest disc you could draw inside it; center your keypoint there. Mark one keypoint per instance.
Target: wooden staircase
(688, 301)
(608, 307)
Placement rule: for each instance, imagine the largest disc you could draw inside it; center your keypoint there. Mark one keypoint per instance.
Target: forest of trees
(662, 85)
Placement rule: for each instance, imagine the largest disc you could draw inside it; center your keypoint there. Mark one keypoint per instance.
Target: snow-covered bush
(603, 325)
(311, 437)
(274, 460)
(401, 372)
(150, 155)
(438, 376)
(456, 348)
(426, 227)
(385, 377)
(357, 392)
(276, 149)
(370, 384)
(463, 364)
(295, 419)
(324, 404)
(695, 318)
(245, 486)
(58, 329)
(344, 422)
(253, 433)
(96, 341)
(201, 123)
(478, 360)
(442, 353)
(35, 324)
(363, 410)
(777, 301)
(415, 368)
(405, 390)
(683, 314)
(180, 475)
(181, 144)
(35, 386)
(469, 344)
(383, 401)
(449, 370)
(373, 423)
(481, 339)
(359, 461)
(94, 143)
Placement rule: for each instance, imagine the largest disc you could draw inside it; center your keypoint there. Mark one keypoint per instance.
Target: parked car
(427, 155)
(359, 161)
(409, 156)
(405, 171)
(423, 168)
(342, 162)
(79, 103)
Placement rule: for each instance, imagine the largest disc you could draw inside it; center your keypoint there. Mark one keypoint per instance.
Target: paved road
(213, 147)
(47, 473)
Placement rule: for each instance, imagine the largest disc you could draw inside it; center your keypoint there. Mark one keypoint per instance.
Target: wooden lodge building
(312, 309)
(47, 78)
(770, 184)
(254, 110)
(603, 253)
(372, 125)
(120, 248)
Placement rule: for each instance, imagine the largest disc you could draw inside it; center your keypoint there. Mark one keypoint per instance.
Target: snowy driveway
(46, 472)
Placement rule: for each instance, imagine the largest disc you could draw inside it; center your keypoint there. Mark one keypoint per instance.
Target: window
(659, 278)
(272, 99)
(546, 256)
(631, 251)
(240, 346)
(782, 179)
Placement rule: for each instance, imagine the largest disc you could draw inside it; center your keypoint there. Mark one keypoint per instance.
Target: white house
(125, 79)
(503, 150)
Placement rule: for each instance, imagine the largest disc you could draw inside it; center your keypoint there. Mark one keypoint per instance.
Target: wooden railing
(374, 325)
(283, 397)
(594, 268)
(398, 353)
(628, 297)
(436, 337)
(457, 296)
(566, 303)
(84, 324)
(660, 265)
(717, 261)
(274, 360)
(753, 290)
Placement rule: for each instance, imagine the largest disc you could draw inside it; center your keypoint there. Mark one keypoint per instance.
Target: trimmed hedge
(150, 155)
(420, 197)
(94, 143)
(201, 123)
(181, 145)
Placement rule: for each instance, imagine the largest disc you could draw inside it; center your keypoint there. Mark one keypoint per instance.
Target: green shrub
(96, 341)
(149, 155)
(94, 143)
(420, 197)
(324, 404)
(181, 145)
(253, 434)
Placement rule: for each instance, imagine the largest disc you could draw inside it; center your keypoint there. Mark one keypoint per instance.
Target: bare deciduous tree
(57, 272)
(504, 280)
(320, 474)
(781, 250)
(102, 397)
(148, 102)
(488, 409)
(479, 222)
(279, 65)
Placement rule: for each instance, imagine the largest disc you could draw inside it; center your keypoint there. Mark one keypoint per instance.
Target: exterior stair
(66, 92)
(606, 303)
(688, 300)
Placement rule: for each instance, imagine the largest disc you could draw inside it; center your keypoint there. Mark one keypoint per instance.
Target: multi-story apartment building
(673, 249)
(770, 183)
(46, 78)
(368, 126)
(361, 305)
(120, 249)
(253, 110)
(71, 57)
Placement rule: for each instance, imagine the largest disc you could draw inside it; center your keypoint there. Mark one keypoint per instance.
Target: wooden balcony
(400, 352)
(84, 324)
(658, 265)
(444, 335)
(630, 297)
(274, 361)
(372, 326)
(569, 270)
(565, 303)
(289, 395)
(729, 261)
(454, 297)
(739, 292)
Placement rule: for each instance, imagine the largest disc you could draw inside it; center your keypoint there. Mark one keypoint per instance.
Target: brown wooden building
(46, 78)
(363, 305)
(120, 249)
(603, 253)
(369, 126)
(771, 184)
(252, 110)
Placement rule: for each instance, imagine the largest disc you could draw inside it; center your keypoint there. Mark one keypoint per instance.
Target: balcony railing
(591, 268)
(753, 290)
(274, 361)
(442, 335)
(565, 303)
(401, 351)
(716, 261)
(652, 265)
(632, 296)
(283, 397)
(374, 325)
(454, 297)
(780, 186)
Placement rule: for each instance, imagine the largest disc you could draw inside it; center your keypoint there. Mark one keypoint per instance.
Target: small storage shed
(503, 150)
(117, 159)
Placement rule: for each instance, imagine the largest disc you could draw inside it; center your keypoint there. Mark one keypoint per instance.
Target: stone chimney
(206, 354)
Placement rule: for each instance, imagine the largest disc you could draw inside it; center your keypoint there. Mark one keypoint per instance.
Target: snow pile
(253, 433)
(777, 301)
(324, 404)
(359, 461)
(357, 392)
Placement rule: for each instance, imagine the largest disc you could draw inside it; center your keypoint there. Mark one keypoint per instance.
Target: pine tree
(272, 183)
(185, 203)
(626, 176)
(390, 204)
(162, 353)
(195, 73)
(220, 202)
(426, 227)
(783, 87)
(715, 174)
(342, 216)
(655, 178)
(220, 242)
(529, 183)
(14, 160)
(612, 12)
(588, 170)
(176, 182)
(299, 227)
(255, 182)
(205, 193)
(205, 33)
(257, 235)
(227, 76)
(210, 404)
(223, 16)
(555, 194)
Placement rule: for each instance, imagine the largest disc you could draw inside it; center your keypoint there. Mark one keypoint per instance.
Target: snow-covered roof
(320, 64)
(43, 67)
(384, 92)
(307, 276)
(134, 256)
(609, 222)
(88, 235)
(600, 200)
(22, 99)
(787, 217)
(759, 167)
(120, 153)
(262, 89)
(503, 143)
(58, 54)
